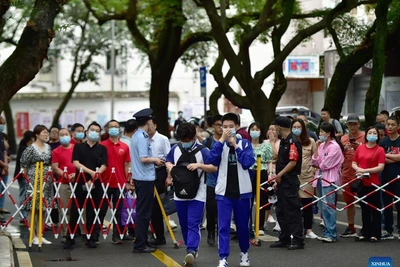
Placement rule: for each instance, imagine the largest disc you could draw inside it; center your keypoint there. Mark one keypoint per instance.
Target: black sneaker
(116, 240)
(211, 238)
(69, 244)
(128, 238)
(154, 242)
(91, 244)
(144, 250)
(348, 233)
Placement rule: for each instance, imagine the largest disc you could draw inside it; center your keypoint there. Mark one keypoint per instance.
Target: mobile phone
(352, 140)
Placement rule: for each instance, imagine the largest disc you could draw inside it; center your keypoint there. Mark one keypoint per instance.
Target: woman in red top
(369, 160)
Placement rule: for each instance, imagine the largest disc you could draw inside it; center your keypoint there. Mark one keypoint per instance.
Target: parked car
(302, 111)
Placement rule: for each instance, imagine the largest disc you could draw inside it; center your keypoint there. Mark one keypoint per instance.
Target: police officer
(143, 173)
(288, 167)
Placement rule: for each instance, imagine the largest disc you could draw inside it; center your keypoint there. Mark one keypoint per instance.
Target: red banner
(22, 123)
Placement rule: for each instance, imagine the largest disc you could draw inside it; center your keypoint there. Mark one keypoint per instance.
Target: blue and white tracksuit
(241, 206)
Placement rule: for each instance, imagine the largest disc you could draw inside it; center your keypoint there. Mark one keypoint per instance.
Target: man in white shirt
(160, 147)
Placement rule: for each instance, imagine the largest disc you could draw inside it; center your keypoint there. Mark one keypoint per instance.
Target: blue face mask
(113, 131)
(65, 140)
(255, 134)
(187, 144)
(233, 132)
(296, 131)
(322, 138)
(372, 138)
(79, 136)
(93, 136)
(2, 126)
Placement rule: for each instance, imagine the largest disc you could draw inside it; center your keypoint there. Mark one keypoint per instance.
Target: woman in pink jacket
(328, 158)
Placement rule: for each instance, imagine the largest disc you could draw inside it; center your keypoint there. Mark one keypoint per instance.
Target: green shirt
(265, 150)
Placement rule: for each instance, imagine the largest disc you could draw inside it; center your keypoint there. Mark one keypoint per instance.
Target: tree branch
(194, 38)
(104, 17)
(341, 8)
(335, 38)
(130, 18)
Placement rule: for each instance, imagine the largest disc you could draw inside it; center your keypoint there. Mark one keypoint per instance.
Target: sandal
(373, 239)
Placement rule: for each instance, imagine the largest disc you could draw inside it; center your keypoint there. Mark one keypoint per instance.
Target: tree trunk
(10, 129)
(344, 72)
(159, 95)
(379, 61)
(63, 104)
(213, 102)
(30, 51)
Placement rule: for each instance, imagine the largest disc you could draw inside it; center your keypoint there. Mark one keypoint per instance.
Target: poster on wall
(80, 117)
(22, 121)
(35, 119)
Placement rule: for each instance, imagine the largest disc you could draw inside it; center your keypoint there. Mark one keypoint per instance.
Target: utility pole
(112, 68)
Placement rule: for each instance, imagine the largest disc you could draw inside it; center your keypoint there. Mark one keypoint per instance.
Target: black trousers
(307, 213)
(156, 215)
(144, 205)
(371, 218)
(288, 210)
(96, 194)
(113, 196)
(211, 209)
(393, 188)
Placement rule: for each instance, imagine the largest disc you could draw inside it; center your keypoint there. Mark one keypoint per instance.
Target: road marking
(24, 259)
(161, 256)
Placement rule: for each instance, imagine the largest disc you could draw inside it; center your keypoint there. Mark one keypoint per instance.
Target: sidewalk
(6, 250)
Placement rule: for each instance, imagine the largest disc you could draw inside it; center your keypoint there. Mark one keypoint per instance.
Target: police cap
(144, 114)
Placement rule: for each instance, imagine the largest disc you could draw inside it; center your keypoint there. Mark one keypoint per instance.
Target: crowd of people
(212, 169)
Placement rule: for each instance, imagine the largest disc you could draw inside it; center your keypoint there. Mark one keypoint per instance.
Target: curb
(6, 250)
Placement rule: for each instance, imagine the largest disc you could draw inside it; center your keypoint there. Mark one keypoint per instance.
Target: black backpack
(186, 182)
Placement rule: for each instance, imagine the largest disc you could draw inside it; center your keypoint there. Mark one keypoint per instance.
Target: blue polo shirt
(140, 148)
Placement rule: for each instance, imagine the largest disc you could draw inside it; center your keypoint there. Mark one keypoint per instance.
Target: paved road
(345, 252)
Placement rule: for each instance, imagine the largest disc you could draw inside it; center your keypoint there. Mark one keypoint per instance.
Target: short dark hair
(396, 113)
(54, 126)
(94, 123)
(216, 118)
(295, 110)
(326, 110)
(385, 112)
(112, 121)
(231, 117)
(366, 132)
(380, 126)
(209, 120)
(130, 126)
(39, 128)
(143, 121)
(154, 119)
(394, 118)
(328, 128)
(186, 130)
(76, 125)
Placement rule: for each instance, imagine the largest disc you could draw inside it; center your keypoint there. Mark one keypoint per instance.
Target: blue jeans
(3, 198)
(21, 196)
(328, 213)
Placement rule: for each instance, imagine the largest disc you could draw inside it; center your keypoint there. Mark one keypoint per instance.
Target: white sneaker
(244, 259)
(190, 257)
(311, 235)
(322, 224)
(277, 228)
(233, 227)
(35, 241)
(173, 224)
(271, 219)
(261, 232)
(223, 263)
(265, 226)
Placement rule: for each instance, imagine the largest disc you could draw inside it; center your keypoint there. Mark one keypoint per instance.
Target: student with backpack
(234, 157)
(186, 166)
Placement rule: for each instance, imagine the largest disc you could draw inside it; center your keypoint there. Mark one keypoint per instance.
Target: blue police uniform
(144, 176)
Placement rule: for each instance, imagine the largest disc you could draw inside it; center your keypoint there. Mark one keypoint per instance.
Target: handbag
(358, 185)
(128, 210)
(168, 201)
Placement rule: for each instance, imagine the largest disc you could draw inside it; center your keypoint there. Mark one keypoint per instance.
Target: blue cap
(143, 114)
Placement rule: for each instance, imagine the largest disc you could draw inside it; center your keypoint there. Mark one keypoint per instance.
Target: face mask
(93, 136)
(180, 115)
(113, 131)
(255, 134)
(322, 138)
(187, 145)
(64, 140)
(372, 138)
(296, 132)
(79, 136)
(2, 126)
(233, 132)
